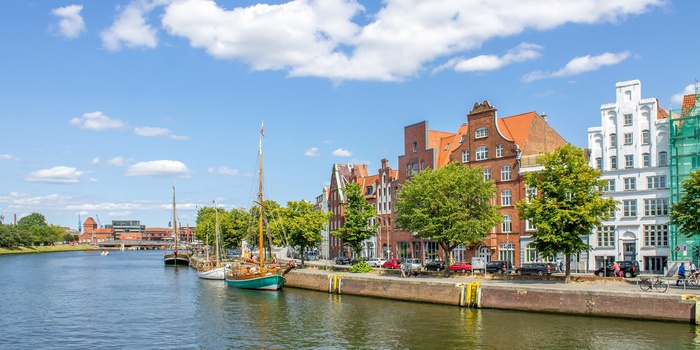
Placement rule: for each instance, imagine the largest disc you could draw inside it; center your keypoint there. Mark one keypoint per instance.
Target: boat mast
(175, 221)
(260, 197)
(217, 234)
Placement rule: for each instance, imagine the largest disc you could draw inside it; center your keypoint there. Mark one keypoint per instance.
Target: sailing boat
(213, 269)
(251, 274)
(176, 256)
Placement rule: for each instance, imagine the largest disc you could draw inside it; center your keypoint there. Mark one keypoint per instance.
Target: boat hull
(180, 259)
(218, 273)
(269, 282)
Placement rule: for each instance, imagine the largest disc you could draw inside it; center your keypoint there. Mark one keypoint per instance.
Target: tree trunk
(448, 253)
(302, 255)
(567, 278)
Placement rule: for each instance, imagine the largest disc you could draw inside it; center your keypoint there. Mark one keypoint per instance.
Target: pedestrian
(402, 267)
(692, 268)
(681, 274)
(561, 265)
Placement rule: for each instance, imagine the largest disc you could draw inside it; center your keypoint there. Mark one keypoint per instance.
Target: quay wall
(630, 305)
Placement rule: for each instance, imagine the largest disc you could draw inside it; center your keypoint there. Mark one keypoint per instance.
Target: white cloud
(312, 152)
(580, 65)
(158, 168)
(148, 131)
(58, 174)
(226, 171)
(95, 161)
(130, 28)
(71, 23)
(329, 38)
(97, 121)
(523, 52)
(116, 161)
(342, 153)
(678, 98)
(6, 156)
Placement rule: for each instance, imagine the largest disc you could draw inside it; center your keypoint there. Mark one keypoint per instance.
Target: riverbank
(46, 249)
(591, 296)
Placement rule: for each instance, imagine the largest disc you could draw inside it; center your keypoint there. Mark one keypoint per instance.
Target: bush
(361, 267)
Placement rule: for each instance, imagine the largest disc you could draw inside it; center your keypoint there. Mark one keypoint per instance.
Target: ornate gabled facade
(631, 148)
(340, 176)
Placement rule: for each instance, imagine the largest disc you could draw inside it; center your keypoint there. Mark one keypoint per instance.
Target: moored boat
(177, 256)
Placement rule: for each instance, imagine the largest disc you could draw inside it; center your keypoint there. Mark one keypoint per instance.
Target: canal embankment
(46, 249)
(589, 295)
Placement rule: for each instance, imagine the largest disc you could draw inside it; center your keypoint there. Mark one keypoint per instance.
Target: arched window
(663, 159)
(505, 172)
(506, 198)
(482, 153)
(507, 223)
(481, 133)
(645, 137)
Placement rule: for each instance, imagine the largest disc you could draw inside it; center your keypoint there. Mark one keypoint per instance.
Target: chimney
(15, 219)
(544, 116)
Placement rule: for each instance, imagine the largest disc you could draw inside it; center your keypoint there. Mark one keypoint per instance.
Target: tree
(303, 225)
(33, 219)
(569, 203)
(451, 205)
(686, 213)
(357, 214)
(233, 226)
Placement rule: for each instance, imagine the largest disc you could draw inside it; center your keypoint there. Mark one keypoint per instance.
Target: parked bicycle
(646, 284)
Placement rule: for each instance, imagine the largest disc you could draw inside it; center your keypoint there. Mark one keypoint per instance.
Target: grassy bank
(46, 249)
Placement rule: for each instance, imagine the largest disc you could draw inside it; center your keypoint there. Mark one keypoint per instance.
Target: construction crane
(80, 224)
(98, 221)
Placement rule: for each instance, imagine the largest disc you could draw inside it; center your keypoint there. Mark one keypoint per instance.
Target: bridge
(135, 245)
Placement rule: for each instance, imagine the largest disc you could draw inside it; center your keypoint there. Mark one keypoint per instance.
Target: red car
(394, 263)
(461, 266)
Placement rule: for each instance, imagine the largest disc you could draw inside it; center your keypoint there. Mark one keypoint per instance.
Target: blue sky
(106, 104)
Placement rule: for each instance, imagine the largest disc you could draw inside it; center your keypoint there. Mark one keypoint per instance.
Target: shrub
(361, 267)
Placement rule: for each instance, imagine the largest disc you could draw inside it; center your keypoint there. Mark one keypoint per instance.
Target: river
(83, 300)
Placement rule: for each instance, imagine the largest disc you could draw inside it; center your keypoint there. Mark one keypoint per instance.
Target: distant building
(631, 148)
(340, 176)
(129, 228)
(93, 234)
(321, 204)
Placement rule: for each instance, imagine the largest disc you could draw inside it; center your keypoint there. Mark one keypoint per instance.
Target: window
(482, 153)
(415, 168)
(481, 133)
(629, 207)
(465, 156)
(529, 225)
(656, 207)
(506, 198)
(646, 160)
(628, 139)
(663, 159)
(506, 251)
(628, 119)
(629, 161)
(609, 185)
(530, 192)
(422, 165)
(505, 172)
(599, 163)
(415, 146)
(656, 235)
(461, 140)
(656, 182)
(645, 137)
(499, 151)
(447, 146)
(487, 174)
(630, 183)
(507, 223)
(606, 236)
(613, 162)
(613, 140)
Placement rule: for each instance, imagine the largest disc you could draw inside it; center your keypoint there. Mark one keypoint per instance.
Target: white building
(631, 148)
(322, 205)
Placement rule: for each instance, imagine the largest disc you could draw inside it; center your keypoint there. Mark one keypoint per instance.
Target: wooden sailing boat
(213, 269)
(176, 256)
(251, 274)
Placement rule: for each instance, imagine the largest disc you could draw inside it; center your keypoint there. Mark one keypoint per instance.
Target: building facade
(631, 147)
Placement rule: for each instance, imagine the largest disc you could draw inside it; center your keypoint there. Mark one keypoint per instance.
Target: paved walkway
(607, 285)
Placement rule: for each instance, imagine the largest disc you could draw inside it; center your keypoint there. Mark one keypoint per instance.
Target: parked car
(376, 262)
(394, 263)
(540, 269)
(461, 266)
(341, 260)
(435, 265)
(415, 264)
(629, 269)
(499, 266)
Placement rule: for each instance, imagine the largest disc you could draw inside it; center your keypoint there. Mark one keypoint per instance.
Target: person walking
(402, 267)
(616, 269)
(681, 274)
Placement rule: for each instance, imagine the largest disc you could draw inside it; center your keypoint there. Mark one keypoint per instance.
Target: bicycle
(646, 284)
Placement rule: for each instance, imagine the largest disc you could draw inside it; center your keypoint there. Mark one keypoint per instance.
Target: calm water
(82, 300)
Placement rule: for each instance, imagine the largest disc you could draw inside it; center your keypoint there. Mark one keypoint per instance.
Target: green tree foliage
(303, 225)
(13, 236)
(33, 219)
(569, 203)
(686, 213)
(233, 226)
(361, 267)
(451, 205)
(357, 214)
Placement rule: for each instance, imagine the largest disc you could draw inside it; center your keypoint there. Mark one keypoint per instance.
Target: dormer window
(464, 137)
(481, 133)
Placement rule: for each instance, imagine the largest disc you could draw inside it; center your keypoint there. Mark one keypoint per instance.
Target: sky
(106, 105)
